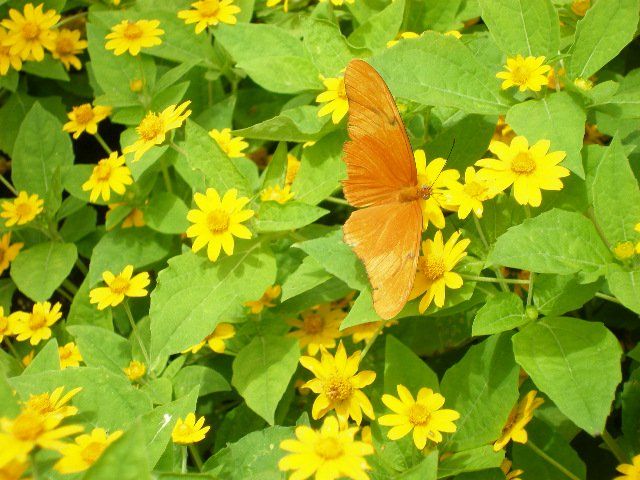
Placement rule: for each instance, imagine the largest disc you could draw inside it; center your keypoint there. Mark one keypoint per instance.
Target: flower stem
(70, 286)
(184, 460)
(532, 276)
(614, 447)
(65, 294)
(103, 143)
(166, 176)
(136, 334)
(610, 298)
(8, 185)
(81, 266)
(70, 19)
(371, 341)
(476, 222)
(12, 349)
(477, 278)
(178, 149)
(338, 201)
(196, 456)
(542, 454)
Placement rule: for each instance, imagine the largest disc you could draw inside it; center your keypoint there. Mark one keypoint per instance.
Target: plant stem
(8, 185)
(184, 460)
(476, 222)
(196, 456)
(81, 266)
(338, 201)
(166, 177)
(178, 149)
(64, 293)
(542, 454)
(12, 349)
(70, 286)
(532, 277)
(371, 341)
(64, 21)
(614, 447)
(476, 278)
(610, 298)
(136, 333)
(103, 143)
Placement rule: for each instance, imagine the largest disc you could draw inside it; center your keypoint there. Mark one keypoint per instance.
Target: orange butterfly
(382, 179)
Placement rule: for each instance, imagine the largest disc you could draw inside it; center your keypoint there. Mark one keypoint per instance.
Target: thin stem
(477, 278)
(70, 19)
(8, 185)
(70, 286)
(166, 176)
(338, 201)
(532, 276)
(614, 447)
(527, 211)
(610, 298)
(136, 334)
(81, 266)
(12, 349)
(372, 340)
(542, 454)
(476, 221)
(184, 460)
(196, 456)
(178, 149)
(103, 143)
(64, 293)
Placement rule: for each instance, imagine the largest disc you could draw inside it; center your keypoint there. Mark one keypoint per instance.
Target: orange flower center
(520, 75)
(102, 171)
(329, 448)
(150, 127)
(432, 267)
(83, 113)
(28, 426)
(523, 163)
(218, 221)
(30, 30)
(41, 403)
(184, 430)
(119, 285)
(37, 321)
(92, 452)
(23, 209)
(338, 389)
(65, 46)
(418, 414)
(209, 9)
(313, 323)
(65, 353)
(132, 31)
(474, 189)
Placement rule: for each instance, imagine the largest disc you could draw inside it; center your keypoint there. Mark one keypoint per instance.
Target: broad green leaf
(276, 170)
(559, 118)
(207, 378)
(576, 363)
(7, 289)
(101, 348)
(82, 312)
(625, 285)
(193, 295)
(556, 241)
(308, 275)
(379, 28)
(327, 47)
(504, 311)
(403, 367)
(262, 371)
(166, 213)
(47, 68)
(480, 458)
(525, 27)
(8, 403)
(79, 224)
(275, 217)
(603, 32)
(298, 124)
(558, 294)
(626, 101)
(438, 70)
(630, 400)
(483, 388)
(39, 270)
(47, 359)
(426, 470)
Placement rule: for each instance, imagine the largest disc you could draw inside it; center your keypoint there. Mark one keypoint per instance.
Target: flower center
(41, 403)
(83, 114)
(30, 30)
(65, 46)
(342, 91)
(523, 163)
(4, 51)
(37, 321)
(218, 221)
(65, 353)
(102, 171)
(23, 209)
(28, 426)
(329, 448)
(209, 9)
(184, 430)
(418, 414)
(520, 75)
(132, 31)
(119, 285)
(432, 267)
(425, 192)
(2, 253)
(337, 388)
(313, 323)
(150, 127)
(92, 452)
(474, 189)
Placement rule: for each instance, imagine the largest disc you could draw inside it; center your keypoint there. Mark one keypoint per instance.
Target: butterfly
(382, 181)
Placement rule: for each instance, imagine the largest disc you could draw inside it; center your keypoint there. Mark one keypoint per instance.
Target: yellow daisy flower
(67, 47)
(134, 36)
(21, 209)
(189, 430)
(232, 146)
(109, 174)
(366, 331)
(134, 219)
(580, 7)
(335, 99)
(7, 59)
(434, 178)
(510, 474)
(215, 340)
(118, 287)
(54, 403)
(435, 269)
(293, 165)
(29, 32)
(135, 370)
(328, 453)
(205, 13)
(519, 417)
(424, 415)
(5, 325)
(14, 470)
(319, 327)
(69, 355)
(8, 251)
(85, 451)
(503, 132)
(339, 3)
(524, 73)
(34, 326)
(624, 250)
(629, 471)
(85, 118)
(154, 127)
(28, 358)
(277, 194)
(338, 385)
(529, 170)
(273, 3)
(555, 79)
(469, 196)
(270, 294)
(216, 221)
(402, 36)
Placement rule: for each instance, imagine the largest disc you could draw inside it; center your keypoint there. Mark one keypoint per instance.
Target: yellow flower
(8, 251)
(28, 358)
(624, 250)
(85, 451)
(580, 7)
(510, 474)
(118, 287)
(67, 47)
(270, 294)
(154, 127)
(335, 99)
(424, 415)
(136, 85)
(434, 178)
(366, 331)
(19, 436)
(402, 36)
(629, 471)
(135, 370)
(109, 174)
(454, 33)
(232, 146)
(583, 83)
(529, 170)
(29, 32)
(273, 3)
(338, 3)
(189, 430)
(7, 59)
(216, 222)
(205, 13)
(524, 73)
(134, 219)
(503, 132)
(85, 118)
(338, 385)
(519, 417)
(319, 327)
(13, 470)
(328, 453)
(54, 403)
(34, 326)
(554, 80)
(277, 194)
(5, 325)
(134, 36)
(69, 355)
(21, 209)
(469, 197)
(435, 269)
(293, 165)
(215, 340)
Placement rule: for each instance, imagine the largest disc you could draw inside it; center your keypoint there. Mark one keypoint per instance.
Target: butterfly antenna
(445, 163)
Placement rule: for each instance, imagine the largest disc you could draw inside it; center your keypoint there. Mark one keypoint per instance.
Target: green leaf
(576, 363)
(378, 29)
(9, 406)
(526, 27)
(298, 124)
(193, 295)
(47, 68)
(39, 270)
(82, 312)
(403, 367)
(327, 47)
(308, 275)
(101, 348)
(276, 217)
(480, 458)
(558, 294)
(556, 241)
(630, 400)
(47, 359)
(605, 30)
(625, 285)
(483, 388)
(208, 379)
(504, 311)
(439, 70)
(166, 213)
(7, 289)
(276, 170)
(559, 118)
(262, 371)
